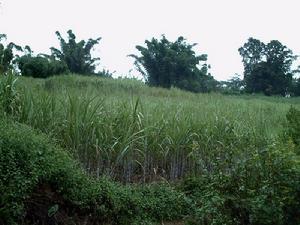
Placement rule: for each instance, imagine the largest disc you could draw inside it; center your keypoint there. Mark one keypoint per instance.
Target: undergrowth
(29, 162)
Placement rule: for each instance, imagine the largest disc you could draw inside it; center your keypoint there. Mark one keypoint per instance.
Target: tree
(77, 55)
(296, 86)
(6, 54)
(40, 66)
(164, 63)
(252, 53)
(267, 67)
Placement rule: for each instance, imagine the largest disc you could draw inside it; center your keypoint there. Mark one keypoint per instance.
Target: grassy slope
(133, 132)
(247, 176)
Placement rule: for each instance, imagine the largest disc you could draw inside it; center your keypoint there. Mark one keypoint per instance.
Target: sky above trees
(219, 27)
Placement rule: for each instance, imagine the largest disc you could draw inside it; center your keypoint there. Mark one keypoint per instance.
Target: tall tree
(6, 54)
(267, 67)
(164, 63)
(40, 66)
(252, 53)
(77, 55)
(296, 86)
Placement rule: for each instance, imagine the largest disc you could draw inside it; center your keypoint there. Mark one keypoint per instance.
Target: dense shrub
(26, 160)
(29, 163)
(263, 189)
(40, 67)
(293, 117)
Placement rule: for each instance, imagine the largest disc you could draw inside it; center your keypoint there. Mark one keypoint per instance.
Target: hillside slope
(66, 143)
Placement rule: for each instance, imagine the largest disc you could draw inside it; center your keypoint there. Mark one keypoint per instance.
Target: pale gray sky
(219, 27)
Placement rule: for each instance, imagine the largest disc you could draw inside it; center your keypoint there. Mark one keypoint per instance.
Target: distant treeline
(267, 67)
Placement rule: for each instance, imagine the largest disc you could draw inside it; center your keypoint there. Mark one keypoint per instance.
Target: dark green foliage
(152, 202)
(76, 55)
(6, 55)
(296, 87)
(252, 53)
(28, 162)
(263, 80)
(40, 66)
(293, 117)
(104, 73)
(164, 63)
(156, 199)
(263, 189)
(267, 67)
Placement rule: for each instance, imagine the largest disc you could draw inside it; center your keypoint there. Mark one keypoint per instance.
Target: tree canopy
(76, 55)
(6, 54)
(40, 66)
(267, 67)
(164, 63)
(296, 86)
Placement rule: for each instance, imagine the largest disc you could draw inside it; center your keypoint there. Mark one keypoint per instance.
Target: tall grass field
(220, 153)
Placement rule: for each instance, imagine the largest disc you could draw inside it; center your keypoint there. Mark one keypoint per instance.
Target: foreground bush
(263, 189)
(42, 184)
(28, 160)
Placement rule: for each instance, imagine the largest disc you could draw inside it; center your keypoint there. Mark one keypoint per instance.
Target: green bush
(40, 67)
(293, 117)
(263, 189)
(29, 162)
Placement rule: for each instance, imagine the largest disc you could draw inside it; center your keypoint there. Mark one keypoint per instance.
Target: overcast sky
(219, 27)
